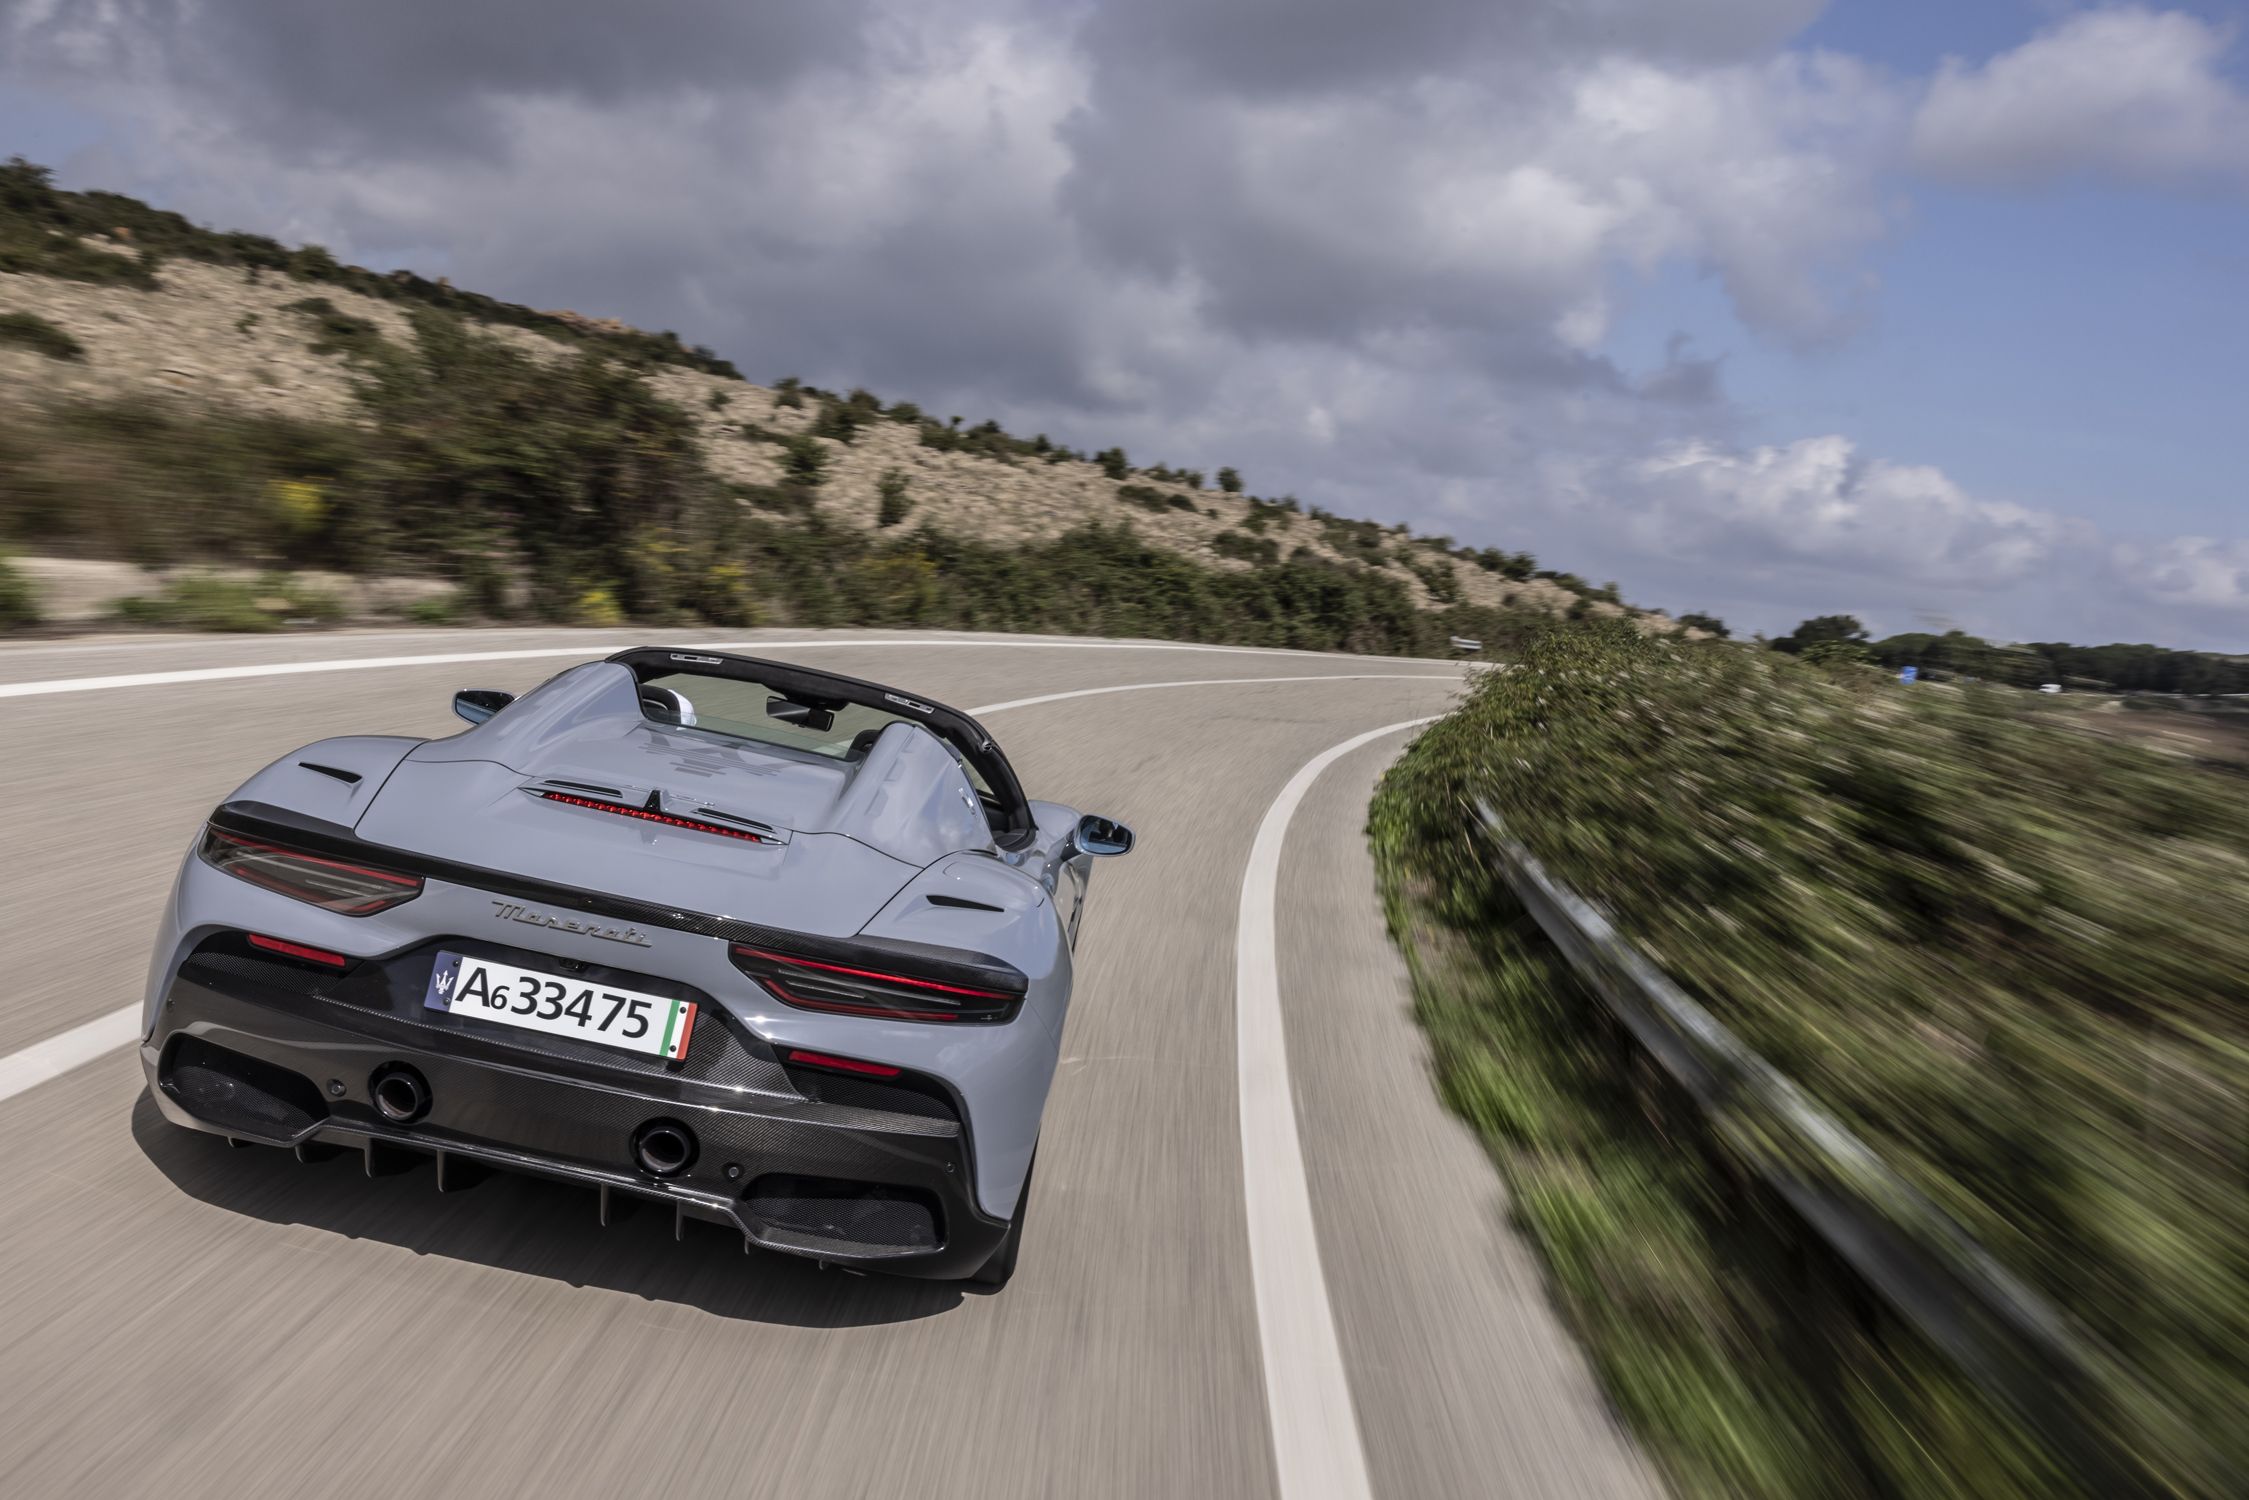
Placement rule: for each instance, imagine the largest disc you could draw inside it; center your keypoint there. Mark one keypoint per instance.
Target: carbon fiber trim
(258, 1063)
(922, 960)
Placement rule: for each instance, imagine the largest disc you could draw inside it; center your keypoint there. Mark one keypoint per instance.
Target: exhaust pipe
(401, 1096)
(663, 1148)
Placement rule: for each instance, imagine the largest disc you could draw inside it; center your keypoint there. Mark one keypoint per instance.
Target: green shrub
(723, 595)
(842, 420)
(894, 502)
(597, 606)
(1113, 463)
(439, 610)
(805, 461)
(788, 391)
(1261, 550)
(1230, 481)
(19, 601)
(334, 332)
(30, 331)
(202, 601)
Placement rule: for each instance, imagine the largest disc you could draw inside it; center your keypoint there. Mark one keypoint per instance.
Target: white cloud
(2191, 572)
(1819, 501)
(2132, 94)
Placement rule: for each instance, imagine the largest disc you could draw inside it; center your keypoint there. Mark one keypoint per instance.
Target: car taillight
(338, 885)
(288, 949)
(836, 1064)
(848, 990)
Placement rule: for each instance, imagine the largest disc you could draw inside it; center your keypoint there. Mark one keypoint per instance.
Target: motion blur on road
(182, 1318)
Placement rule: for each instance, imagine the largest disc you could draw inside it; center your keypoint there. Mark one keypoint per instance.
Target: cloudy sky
(1929, 311)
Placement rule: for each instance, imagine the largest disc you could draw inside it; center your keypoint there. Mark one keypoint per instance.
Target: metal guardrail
(2018, 1350)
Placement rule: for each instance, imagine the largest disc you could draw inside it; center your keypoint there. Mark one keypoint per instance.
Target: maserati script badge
(507, 911)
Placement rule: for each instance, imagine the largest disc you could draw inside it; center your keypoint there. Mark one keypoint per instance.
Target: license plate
(560, 1006)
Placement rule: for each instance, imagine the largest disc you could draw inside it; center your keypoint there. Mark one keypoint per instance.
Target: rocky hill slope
(105, 301)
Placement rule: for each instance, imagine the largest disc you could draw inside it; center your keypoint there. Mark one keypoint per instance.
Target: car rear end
(821, 1094)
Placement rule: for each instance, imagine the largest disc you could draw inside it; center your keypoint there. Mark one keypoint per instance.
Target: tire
(996, 1271)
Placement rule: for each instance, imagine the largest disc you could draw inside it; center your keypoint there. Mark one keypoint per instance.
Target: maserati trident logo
(508, 911)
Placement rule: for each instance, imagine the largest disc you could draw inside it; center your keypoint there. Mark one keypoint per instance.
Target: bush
(356, 339)
(30, 331)
(723, 595)
(789, 391)
(1113, 463)
(598, 607)
(1710, 624)
(444, 610)
(19, 601)
(1932, 911)
(1230, 481)
(805, 462)
(209, 602)
(1261, 550)
(894, 504)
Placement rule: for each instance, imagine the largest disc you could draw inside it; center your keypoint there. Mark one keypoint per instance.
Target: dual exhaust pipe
(660, 1148)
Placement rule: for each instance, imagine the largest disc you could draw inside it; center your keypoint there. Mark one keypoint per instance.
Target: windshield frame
(1006, 808)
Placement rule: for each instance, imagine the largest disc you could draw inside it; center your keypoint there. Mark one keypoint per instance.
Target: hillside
(134, 344)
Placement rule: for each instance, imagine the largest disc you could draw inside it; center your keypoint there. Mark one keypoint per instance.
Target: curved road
(1262, 1261)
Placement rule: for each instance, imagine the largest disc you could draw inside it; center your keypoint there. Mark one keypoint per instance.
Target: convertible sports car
(782, 949)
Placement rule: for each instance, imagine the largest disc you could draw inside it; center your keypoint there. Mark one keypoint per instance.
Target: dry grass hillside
(152, 312)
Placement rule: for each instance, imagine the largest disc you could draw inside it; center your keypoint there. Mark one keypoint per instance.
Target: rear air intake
(835, 1211)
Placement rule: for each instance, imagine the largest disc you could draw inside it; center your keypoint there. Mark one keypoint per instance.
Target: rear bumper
(237, 1050)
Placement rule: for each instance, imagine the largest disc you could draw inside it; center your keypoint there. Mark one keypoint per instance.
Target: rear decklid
(572, 786)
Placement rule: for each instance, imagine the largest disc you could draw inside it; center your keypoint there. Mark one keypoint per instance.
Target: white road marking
(1316, 1451)
(1134, 687)
(589, 651)
(57, 1055)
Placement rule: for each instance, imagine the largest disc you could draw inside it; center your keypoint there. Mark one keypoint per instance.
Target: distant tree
(1822, 629)
(1707, 623)
(1113, 463)
(1230, 481)
(1833, 651)
(788, 391)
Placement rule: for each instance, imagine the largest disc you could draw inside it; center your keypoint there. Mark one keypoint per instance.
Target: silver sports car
(785, 950)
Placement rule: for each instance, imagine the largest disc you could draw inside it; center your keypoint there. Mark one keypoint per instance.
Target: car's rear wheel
(996, 1271)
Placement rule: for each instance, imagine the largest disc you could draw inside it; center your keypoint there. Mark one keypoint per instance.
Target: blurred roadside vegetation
(2010, 956)
(569, 491)
(204, 602)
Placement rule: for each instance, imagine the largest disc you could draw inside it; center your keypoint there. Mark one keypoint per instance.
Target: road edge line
(1317, 1454)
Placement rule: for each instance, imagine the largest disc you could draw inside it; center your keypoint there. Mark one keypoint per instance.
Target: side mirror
(1099, 835)
(478, 704)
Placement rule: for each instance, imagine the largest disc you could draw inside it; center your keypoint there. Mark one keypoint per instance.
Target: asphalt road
(178, 1318)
